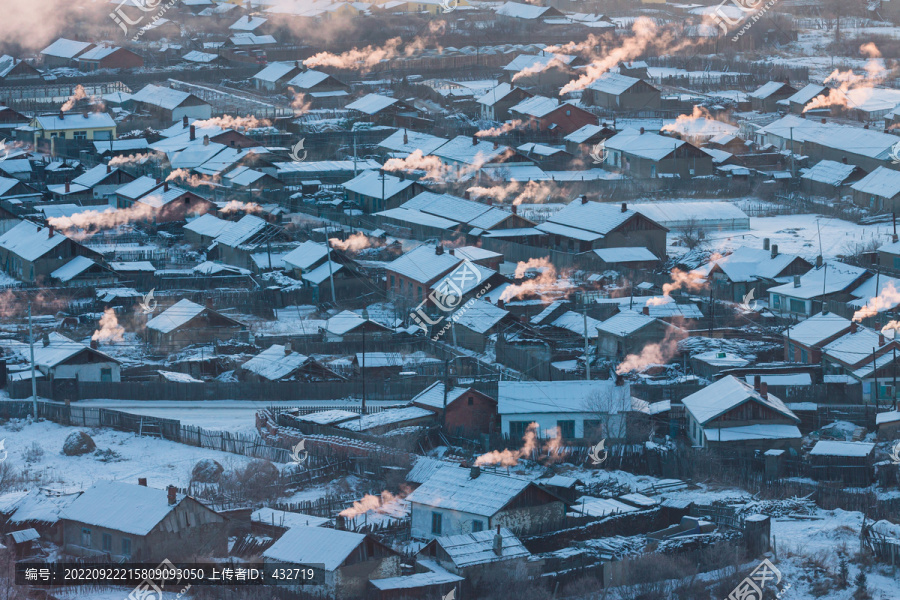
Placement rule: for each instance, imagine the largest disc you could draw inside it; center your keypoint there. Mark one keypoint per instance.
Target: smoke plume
(110, 330)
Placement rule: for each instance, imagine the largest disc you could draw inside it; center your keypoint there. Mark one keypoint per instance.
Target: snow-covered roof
(845, 138)
(275, 71)
(305, 545)
(175, 316)
(282, 518)
(134, 509)
(137, 265)
(423, 264)
(645, 145)
(589, 220)
(415, 140)
(241, 231)
(250, 39)
(416, 580)
(162, 97)
(306, 255)
(389, 416)
(72, 269)
(197, 56)
(881, 182)
(327, 417)
(536, 106)
(727, 393)
(65, 48)
(247, 23)
(836, 448)
(782, 379)
(90, 120)
(601, 507)
(274, 363)
(767, 90)
(453, 488)
(322, 272)
(208, 225)
(526, 397)
(371, 183)
(582, 134)
(92, 177)
(854, 347)
(311, 78)
(748, 264)
(807, 93)
(613, 83)
(891, 416)
(625, 255)
(575, 322)
(832, 277)
(344, 322)
(371, 104)
(480, 316)
(721, 359)
(30, 241)
(433, 395)
(817, 328)
(469, 549)
(521, 11)
(98, 52)
(829, 171)
(626, 323)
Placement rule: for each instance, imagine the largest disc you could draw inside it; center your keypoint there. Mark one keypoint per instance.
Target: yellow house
(74, 126)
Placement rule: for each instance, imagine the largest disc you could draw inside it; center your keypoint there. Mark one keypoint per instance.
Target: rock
(78, 443)
(207, 471)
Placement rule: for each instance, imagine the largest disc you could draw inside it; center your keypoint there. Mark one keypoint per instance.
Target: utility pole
(446, 391)
(587, 358)
(793, 174)
(34, 405)
(875, 375)
(365, 315)
(894, 367)
(330, 270)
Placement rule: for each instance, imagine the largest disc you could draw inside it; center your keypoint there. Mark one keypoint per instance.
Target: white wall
(86, 372)
(453, 522)
(547, 422)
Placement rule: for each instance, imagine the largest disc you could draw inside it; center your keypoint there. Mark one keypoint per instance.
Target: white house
(58, 357)
(578, 408)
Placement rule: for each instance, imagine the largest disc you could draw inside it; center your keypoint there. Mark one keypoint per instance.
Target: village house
(38, 510)
(280, 363)
(478, 324)
(404, 142)
(765, 99)
(124, 522)
(161, 202)
(867, 356)
(379, 423)
(347, 561)
(545, 72)
(584, 410)
(642, 154)
(585, 141)
(375, 191)
(468, 412)
(625, 258)
(495, 105)
(108, 57)
(879, 190)
(753, 271)
(320, 89)
(457, 500)
(347, 326)
(186, 323)
(542, 114)
(849, 463)
(830, 179)
(275, 74)
(803, 342)
(798, 101)
(805, 295)
(470, 554)
(75, 127)
(169, 105)
(12, 70)
(583, 226)
(99, 184)
(58, 357)
(615, 92)
(81, 271)
(31, 253)
(63, 52)
(384, 110)
(731, 414)
(201, 231)
(628, 332)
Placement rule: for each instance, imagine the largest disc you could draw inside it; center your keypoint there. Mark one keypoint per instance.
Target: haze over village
(449, 300)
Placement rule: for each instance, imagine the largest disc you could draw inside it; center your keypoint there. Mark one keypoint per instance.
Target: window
(419, 293)
(798, 306)
(85, 537)
(436, 519)
(105, 374)
(392, 282)
(477, 526)
(566, 429)
(517, 429)
(652, 170)
(106, 540)
(79, 135)
(103, 135)
(804, 356)
(593, 429)
(126, 546)
(471, 400)
(776, 301)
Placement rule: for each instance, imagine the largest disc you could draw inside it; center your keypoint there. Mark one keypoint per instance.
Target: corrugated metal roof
(30, 241)
(274, 364)
(726, 394)
(468, 549)
(314, 546)
(453, 488)
(134, 509)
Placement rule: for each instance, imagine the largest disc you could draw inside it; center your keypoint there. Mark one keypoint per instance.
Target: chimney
(158, 180)
(108, 168)
(774, 250)
(489, 201)
(766, 243)
(854, 326)
(496, 145)
(474, 472)
(95, 344)
(515, 209)
(49, 231)
(584, 199)
(166, 185)
(206, 140)
(340, 523)
(642, 131)
(84, 114)
(764, 390)
(287, 348)
(500, 303)
(474, 140)
(819, 261)
(193, 132)
(184, 121)
(439, 249)
(620, 381)
(895, 238)
(796, 281)
(467, 195)
(45, 339)
(823, 120)
(844, 160)
(171, 495)
(498, 543)
(646, 310)
(142, 481)
(624, 207)
(62, 115)
(452, 251)
(209, 303)
(405, 138)
(757, 380)
(881, 340)
(68, 186)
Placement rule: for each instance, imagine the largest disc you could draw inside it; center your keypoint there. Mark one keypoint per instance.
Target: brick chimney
(45, 339)
(796, 281)
(646, 310)
(764, 390)
(206, 140)
(49, 231)
(68, 186)
(642, 131)
(474, 140)
(774, 250)
(474, 472)
(108, 168)
(881, 339)
(501, 303)
(624, 207)
(584, 199)
(95, 344)
(620, 381)
(439, 249)
(209, 303)
(756, 381)
(515, 209)
(193, 132)
(496, 145)
(62, 115)
(184, 121)
(171, 495)
(142, 481)
(498, 543)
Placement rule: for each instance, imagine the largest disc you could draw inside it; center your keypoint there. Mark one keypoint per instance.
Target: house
(583, 226)
(478, 323)
(878, 191)
(797, 102)
(169, 105)
(803, 342)
(753, 270)
(81, 271)
(404, 142)
(709, 216)
(161, 202)
(275, 74)
(186, 323)
(543, 114)
(37, 509)
(347, 560)
(457, 500)
(124, 522)
(577, 409)
(348, 325)
(280, 363)
(105, 56)
(77, 127)
(544, 156)
(468, 412)
(383, 110)
(888, 425)
(63, 52)
(495, 104)
(734, 415)
(320, 89)
(546, 72)
(31, 253)
(889, 255)
(582, 142)
(375, 191)
(829, 179)
(101, 183)
(469, 555)
(204, 229)
(58, 357)
(709, 364)
(628, 332)
(849, 463)
(765, 98)
(471, 153)
(642, 154)
(626, 258)
(866, 356)
(615, 92)
(805, 295)
(389, 419)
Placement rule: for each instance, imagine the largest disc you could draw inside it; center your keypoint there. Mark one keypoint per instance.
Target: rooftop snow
(162, 97)
(613, 83)
(453, 488)
(830, 172)
(386, 417)
(372, 184)
(72, 269)
(526, 397)
(314, 546)
(371, 104)
(831, 278)
(626, 323)
(818, 328)
(536, 106)
(281, 518)
(65, 48)
(306, 255)
(645, 145)
(30, 241)
(767, 90)
(835, 448)
(134, 509)
(469, 549)
(881, 182)
(625, 255)
(726, 394)
(91, 120)
(423, 264)
(310, 78)
(274, 364)
(480, 316)
(275, 71)
(763, 431)
(175, 316)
